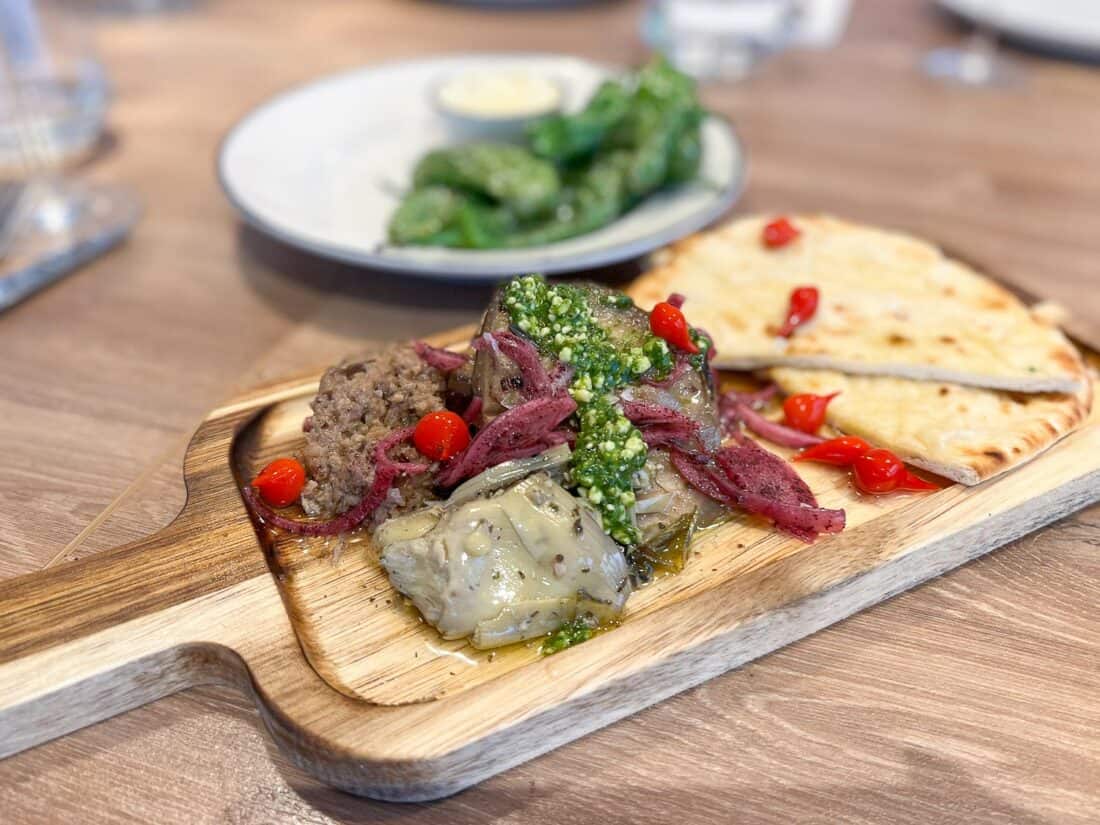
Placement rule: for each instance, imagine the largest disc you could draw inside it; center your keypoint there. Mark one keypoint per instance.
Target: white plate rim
(1055, 41)
(477, 272)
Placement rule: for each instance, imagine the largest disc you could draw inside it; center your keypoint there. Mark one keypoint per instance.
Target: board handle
(87, 640)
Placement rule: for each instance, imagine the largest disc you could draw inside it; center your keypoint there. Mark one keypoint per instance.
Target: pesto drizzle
(567, 635)
(609, 449)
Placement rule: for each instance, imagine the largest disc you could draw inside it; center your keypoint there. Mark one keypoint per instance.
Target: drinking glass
(53, 97)
(719, 38)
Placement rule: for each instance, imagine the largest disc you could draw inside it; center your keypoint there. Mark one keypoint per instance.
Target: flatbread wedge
(890, 305)
(966, 434)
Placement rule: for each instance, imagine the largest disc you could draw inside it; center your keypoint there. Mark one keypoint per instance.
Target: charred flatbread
(890, 304)
(967, 434)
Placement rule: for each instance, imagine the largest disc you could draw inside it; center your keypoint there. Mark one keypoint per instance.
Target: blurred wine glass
(55, 91)
(53, 100)
(978, 62)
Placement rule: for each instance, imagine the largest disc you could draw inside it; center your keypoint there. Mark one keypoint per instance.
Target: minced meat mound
(357, 404)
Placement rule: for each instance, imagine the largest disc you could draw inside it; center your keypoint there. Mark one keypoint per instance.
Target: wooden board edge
(587, 710)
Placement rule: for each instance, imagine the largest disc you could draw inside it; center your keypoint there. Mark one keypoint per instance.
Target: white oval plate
(323, 166)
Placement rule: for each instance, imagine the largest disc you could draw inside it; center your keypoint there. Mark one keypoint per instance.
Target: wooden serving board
(359, 691)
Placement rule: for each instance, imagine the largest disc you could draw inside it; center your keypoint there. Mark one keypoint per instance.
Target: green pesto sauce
(569, 634)
(609, 449)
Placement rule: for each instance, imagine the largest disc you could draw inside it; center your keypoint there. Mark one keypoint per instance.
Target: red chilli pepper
(802, 307)
(780, 232)
(667, 322)
(878, 471)
(874, 470)
(281, 482)
(806, 411)
(915, 484)
(838, 451)
(441, 435)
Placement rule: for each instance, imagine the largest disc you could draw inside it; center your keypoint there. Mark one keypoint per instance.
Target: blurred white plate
(1071, 27)
(323, 166)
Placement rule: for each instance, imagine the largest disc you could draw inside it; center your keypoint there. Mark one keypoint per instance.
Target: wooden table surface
(975, 698)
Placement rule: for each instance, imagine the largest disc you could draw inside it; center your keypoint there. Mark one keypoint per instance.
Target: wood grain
(971, 699)
(193, 604)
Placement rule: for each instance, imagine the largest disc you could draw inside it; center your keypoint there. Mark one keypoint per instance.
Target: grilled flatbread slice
(890, 305)
(963, 433)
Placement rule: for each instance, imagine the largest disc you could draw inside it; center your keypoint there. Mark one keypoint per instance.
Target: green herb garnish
(569, 634)
(609, 449)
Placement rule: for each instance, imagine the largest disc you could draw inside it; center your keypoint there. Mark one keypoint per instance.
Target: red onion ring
(443, 360)
(719, 478)
(473, 411)
(386, 471)
(523, 429)
(771, 430)
(753, 399)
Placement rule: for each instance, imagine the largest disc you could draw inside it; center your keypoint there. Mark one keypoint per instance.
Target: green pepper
(484, 226)
(565, 138)
(582, 171)
(505, 174)
(659, 80)
(438, 216)
(661, 130)
(426, 217)
(661, 136)
(595, 197)
(686, 157)
(650, 164)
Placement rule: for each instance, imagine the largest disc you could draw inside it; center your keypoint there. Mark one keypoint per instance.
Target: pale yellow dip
(499, 94)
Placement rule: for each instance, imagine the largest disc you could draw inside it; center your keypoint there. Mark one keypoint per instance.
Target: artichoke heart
(507, 567)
